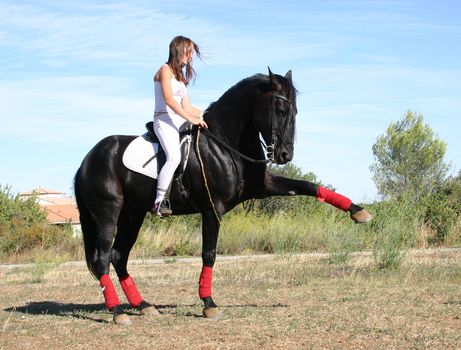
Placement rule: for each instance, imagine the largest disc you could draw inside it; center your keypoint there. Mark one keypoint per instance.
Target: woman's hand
(199, 121)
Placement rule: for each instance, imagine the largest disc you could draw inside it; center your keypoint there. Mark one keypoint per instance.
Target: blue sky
(73, 72)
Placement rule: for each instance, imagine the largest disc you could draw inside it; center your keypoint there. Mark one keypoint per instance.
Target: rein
(231, 149)
(197, 148)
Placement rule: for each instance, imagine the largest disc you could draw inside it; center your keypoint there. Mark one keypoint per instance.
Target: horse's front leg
(282, 186)
(210, 230)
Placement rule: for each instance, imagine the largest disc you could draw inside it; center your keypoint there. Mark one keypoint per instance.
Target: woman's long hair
(177, 48)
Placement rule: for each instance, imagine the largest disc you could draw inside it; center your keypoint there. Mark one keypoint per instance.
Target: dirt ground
(276, 302)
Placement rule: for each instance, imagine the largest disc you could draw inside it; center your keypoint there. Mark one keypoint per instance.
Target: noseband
(270, 149)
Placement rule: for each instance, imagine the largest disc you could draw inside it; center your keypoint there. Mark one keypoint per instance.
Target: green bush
(23, 225)
(440, 216)
(26, 211)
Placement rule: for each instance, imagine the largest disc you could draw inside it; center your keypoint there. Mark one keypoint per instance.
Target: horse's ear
(276, 86)
(288, 76)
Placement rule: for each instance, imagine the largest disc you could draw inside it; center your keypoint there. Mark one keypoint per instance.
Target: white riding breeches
(168, 134)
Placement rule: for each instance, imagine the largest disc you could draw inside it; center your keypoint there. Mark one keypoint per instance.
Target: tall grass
(315, 227)
(396, 227)
(175, 236)
(288, 232)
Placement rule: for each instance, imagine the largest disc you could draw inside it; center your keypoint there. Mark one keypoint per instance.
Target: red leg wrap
(109, 292)
(205, 282)
(333, 198)
(130, 290)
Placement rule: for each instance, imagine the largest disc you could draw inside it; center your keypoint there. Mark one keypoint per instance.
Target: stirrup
(162, 209)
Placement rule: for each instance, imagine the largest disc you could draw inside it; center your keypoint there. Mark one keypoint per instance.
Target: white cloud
(105, 33)
(139, 35)
(51, 110)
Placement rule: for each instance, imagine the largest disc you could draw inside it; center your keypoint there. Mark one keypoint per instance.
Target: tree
(408, 159)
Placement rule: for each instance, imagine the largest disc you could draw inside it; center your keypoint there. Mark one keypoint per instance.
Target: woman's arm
(165, 81)
(165, 76)
(189, 108)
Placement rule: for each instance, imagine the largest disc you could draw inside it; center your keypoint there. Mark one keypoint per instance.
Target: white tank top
(162, 111)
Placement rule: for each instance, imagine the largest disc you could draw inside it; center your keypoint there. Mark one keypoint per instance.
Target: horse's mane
(257, 79)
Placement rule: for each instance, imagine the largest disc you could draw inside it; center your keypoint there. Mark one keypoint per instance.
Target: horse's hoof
(211, 312)
(122, 320)
(361, 217)
(149, 310)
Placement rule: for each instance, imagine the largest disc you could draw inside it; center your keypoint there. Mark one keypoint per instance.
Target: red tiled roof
(60, 214)
(60, 209)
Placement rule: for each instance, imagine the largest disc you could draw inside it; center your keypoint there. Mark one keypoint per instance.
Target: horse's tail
(86, 222)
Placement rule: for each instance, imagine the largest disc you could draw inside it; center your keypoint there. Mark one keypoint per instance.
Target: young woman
(172, 109)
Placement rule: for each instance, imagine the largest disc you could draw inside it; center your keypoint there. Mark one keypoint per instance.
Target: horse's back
(103, 179)
(102, 167)
(107, 149)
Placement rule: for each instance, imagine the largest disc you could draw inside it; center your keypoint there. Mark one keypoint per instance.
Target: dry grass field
(275, 302)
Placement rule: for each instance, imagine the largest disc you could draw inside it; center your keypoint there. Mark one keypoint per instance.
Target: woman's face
(187, 55)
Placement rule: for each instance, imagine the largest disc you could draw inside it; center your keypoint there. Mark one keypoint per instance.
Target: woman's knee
(175, 161)
(174, 157)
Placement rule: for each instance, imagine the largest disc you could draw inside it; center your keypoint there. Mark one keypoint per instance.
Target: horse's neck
(229, 130)
(238, 132)
(231, 122)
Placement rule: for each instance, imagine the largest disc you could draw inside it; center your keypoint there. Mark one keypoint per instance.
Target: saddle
(145, 155)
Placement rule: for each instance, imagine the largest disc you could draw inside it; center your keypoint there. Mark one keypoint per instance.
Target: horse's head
(278, 118)
(268, 104)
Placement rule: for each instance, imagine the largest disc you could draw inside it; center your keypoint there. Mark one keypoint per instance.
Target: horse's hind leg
(101, 269)
(98, 227)
(128, 228)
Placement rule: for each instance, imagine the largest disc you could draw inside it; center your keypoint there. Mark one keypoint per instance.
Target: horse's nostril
(285, 157)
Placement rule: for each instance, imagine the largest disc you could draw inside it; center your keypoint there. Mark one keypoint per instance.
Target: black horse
(226, 166)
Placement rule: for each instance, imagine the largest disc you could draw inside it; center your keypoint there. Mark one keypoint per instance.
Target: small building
(60, 209)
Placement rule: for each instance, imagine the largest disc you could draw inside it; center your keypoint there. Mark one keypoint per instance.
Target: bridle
(270, 148)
